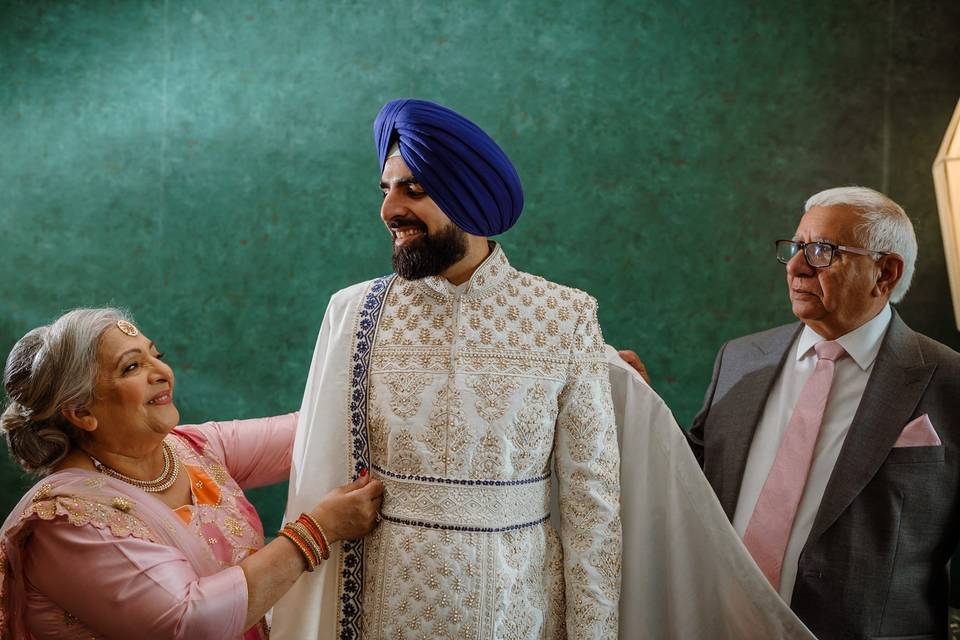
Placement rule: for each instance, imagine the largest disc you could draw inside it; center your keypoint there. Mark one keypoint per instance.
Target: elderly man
(463, 384)
(833, 443)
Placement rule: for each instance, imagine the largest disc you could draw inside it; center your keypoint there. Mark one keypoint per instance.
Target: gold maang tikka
(128, 328)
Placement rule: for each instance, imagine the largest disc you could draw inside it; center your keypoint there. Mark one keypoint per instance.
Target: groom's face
(425, 242)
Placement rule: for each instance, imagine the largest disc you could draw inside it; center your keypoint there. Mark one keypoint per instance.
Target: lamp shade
(946, 181)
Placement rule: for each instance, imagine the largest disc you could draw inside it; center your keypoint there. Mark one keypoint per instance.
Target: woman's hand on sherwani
(350, 511)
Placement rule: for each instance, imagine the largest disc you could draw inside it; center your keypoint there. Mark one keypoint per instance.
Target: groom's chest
(467, 387)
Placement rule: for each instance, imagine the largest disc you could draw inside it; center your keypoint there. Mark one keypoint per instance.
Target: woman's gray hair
(50, 368)
(884, 227)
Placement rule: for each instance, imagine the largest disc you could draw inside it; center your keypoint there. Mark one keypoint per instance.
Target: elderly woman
(139, 528)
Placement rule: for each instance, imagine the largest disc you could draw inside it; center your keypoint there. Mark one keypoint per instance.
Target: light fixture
(946, 182)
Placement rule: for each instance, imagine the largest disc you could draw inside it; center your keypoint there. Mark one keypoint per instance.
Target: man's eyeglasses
(818, 255)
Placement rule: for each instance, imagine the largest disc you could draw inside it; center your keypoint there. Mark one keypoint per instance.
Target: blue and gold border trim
(350, 604)
(466, 528)
(460, 481)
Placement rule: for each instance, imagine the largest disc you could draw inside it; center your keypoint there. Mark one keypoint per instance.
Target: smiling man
(463, 385)
(833, 443)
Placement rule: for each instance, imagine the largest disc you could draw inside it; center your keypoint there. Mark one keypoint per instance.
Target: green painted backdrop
(210, 165)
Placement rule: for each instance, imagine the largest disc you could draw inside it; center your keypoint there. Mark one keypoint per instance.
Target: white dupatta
(686, 573)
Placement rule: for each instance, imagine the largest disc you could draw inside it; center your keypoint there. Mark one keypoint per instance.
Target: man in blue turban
(480, 396)
(466, 387)
(473, 190)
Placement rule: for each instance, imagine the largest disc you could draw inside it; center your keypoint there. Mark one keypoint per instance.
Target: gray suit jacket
(875, 564)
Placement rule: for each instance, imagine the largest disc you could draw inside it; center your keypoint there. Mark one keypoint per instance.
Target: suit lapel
(896, 384)
(742, 413)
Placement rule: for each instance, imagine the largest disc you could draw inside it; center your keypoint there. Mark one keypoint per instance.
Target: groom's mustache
(399, 223)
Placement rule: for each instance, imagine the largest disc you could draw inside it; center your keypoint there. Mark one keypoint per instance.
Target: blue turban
(469, 177)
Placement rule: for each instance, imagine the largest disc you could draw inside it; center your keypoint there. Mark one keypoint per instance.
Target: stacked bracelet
(295, 538)
(316, 530)
(307, 535)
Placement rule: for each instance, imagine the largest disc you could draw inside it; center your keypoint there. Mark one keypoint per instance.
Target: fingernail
(363, 471)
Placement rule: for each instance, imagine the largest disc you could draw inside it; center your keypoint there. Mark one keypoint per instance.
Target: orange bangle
(307, 538)
(314, 528)
(292, 537)
(323, 534)
(297, 537)
(324, 552)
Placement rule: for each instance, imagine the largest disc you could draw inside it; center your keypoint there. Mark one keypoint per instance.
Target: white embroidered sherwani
(463, 405)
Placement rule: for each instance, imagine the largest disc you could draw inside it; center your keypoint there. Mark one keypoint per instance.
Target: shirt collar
(862, 344)
(489, 277)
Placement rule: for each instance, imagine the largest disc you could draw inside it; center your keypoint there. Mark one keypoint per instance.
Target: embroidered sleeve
(255, 452)
(587, 462)
(132, 588)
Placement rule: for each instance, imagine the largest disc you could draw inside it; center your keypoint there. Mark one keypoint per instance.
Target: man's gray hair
(50, 368)
(885, 227)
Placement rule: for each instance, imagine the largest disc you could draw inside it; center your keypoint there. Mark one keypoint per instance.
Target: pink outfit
(103, 559)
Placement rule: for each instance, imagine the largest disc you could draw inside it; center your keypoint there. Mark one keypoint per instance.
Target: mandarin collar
(488, 278)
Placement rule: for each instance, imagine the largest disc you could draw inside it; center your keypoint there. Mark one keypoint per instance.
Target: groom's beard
(431, 254)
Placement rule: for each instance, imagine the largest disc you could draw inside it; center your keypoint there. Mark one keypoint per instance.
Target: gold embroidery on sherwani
(582, 520)
(488, 459)
(522, 586)
(584, 425)
(403, 455)
(446, 436)
(530, 431)
(553, 576)
(405, 392)
(378, 436)
(470, 393)
(431, 584)
(493, 395)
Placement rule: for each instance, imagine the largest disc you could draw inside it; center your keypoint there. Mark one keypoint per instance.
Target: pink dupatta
(86, 498)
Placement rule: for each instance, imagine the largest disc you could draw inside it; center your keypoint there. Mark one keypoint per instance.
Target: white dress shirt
(849, 381)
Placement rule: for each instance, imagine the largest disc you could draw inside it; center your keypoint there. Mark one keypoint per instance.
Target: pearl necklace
(171, 470)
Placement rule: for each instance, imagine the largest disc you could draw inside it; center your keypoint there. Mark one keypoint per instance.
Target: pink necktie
(769, 528)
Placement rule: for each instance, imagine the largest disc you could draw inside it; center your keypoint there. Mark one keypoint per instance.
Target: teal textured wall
(210, 165)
